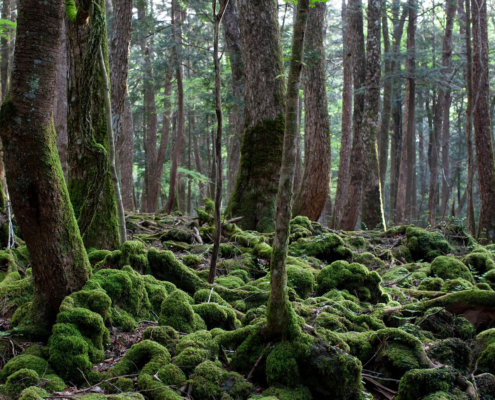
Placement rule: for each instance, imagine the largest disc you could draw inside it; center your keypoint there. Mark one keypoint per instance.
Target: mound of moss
(450, 268)
(327, 247)
(425, 245)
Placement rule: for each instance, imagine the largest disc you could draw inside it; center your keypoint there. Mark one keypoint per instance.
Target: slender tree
(256, 184)
(126, 155)
(5, 42)
(312, 195)
(37, 187)
(279, 321)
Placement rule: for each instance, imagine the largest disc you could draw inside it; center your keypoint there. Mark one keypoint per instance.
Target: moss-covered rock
(355, 278)
(444, 324)
(217, 316)
(164, 335)
(370, 261)
(453, 352)
(450, 268)
(301, 280)
(178, 313)
(24, 361)
(457, 285)
(425, 245)
(431, 284)
(283, 393)
(21, 380)
(146, 353)
(485, 342)
(418, 383)
(327, 247)
(479, 261)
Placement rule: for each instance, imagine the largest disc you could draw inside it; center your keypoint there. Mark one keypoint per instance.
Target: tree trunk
(37, 187)
(119, 68)
(406, 172)
(372, 215)
(446, 58)
(60, 106)
(313, 193)
(197, 160)
(90, 181)
(482, 122)
(354, 191)
(230, 23)
(255, 189)
(279, 318)
(299, 151)
(126, 158)
(6, 51)
(346, 138)
(395, 151)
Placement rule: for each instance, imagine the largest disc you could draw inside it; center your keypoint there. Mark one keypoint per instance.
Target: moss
(263, 250)
(419, 383)
(53, 383)
(486, 386)
(301, 280)
(133, 253)
(282, 363)
(300, 227)
(24, 361)
(164, 335)
(485, 342)
(217, 316)
(450, 268)
(96, 256)
(146, 353)
(33, 393)
(425, 245)
(20, 315)
(21, 380)
(192, 260)
(370, 261)
(253, 314)
(402, 252)
(120, 385)
(456, 285)
(484, 286)
(231, 282)
(229, 250)
(154, 389)
(444, 325)
(207, 380)
(15, 293)
(123, 321)
(38, 351)
(205, 295)
(171, 375)
(327, 247)
(157, 292)
(453, 352)
(355, 278)
(177, 312)
(479, 260)
(166, 267)
(489, 278)
(281, 393)
(189, 358)
(241, 274)
(95, 300)
(431, 283)
(356, 242)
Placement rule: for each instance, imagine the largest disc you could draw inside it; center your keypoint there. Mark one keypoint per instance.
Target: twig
(234, 220)
(428, 316)
(197, 236)
(397, 281)
(382, 379)
(211, 291)
(259, 360)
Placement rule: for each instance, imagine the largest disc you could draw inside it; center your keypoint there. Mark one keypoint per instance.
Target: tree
(37, 187)
(60, 106)
(90, 181)
(313, 192)
(126, 154)
(482, 121)
(5, 42)
(256, 184)
(279, 318)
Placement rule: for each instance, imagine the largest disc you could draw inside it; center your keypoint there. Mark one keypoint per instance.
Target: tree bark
(372, 215)
(406, 172)
(38, 192)
(312, 195)
(197, 160)
(346, 125)
(90, 180)
(482, 122)
(230, 23)
(353, 198)
(60, 106)
(6, 51)
(255, 189)
(279, 318)
(126, 158)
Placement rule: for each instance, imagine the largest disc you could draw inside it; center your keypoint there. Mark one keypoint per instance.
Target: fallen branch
(197, 236)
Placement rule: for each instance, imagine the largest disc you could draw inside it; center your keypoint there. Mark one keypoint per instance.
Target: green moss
(230, 281)
(300, 227)
(171, 375)
(282, 363)
(177, 312)
(15, 293)
(95, 300)
(123, 321)
(485, 342)
(33, 393)
(456, 285)
(229, 250)
(120, 385)
(146, 353)
(453, 352)
(486, 386)
(301, 280)
(207, 380)
(157, 292)
(450, 268)
(217, 316)
(431, 283)
(356, 242)
(355, 278)
(166, 267)
(24, 361)
(425, 245)
(419, 383)
(370, 261)
(189, 358)
(192, 260)
(327, 247)
(484, 286)
(480, 260)
(402, 252)
(53, 383)
(444, 325)
(96, 256)
(164, 335)
(205, 295)
(133, 253)
(21, 380)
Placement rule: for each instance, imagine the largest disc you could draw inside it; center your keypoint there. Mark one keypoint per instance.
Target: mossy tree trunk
(279, 316)
(60, 106)
(313, 192)
(37, 187)
(482, 121)
(256, 184)
(90, 181)
(5, 42)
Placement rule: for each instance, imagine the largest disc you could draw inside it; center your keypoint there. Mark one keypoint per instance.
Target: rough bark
(119, 64)
(406, 172)
(232, 34)
(482, 121)
(279, 317)
(312, 195)
(346, 125)
(37, 187)
(6, 51)
(395, 151)
(354, 191)
(451, 8)
(60, 106)
(126, 156)
(256, 184)
(90, 181)
(197, 161)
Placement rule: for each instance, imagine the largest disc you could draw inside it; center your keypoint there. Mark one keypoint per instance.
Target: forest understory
(403, 314)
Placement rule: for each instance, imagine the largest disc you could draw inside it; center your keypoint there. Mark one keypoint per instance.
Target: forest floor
(404, 314)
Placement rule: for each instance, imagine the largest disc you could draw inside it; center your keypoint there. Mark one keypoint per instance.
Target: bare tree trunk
(230, 23)
(60, 106)
(354, 191)
(313, 193)
(422, 160)
(346, 139)
(37, 187)
(372, 215)
(126, 158)
(482, 122)
(404, 189)
(256, 185)
(278, 316)
(6, 51)
(197, 159)
(298, 175)
(395, 151)
(446, 58)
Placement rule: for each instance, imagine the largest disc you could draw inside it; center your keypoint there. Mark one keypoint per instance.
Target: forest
(247, 200)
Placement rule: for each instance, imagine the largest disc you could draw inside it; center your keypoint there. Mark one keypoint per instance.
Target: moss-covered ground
(406, 314)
